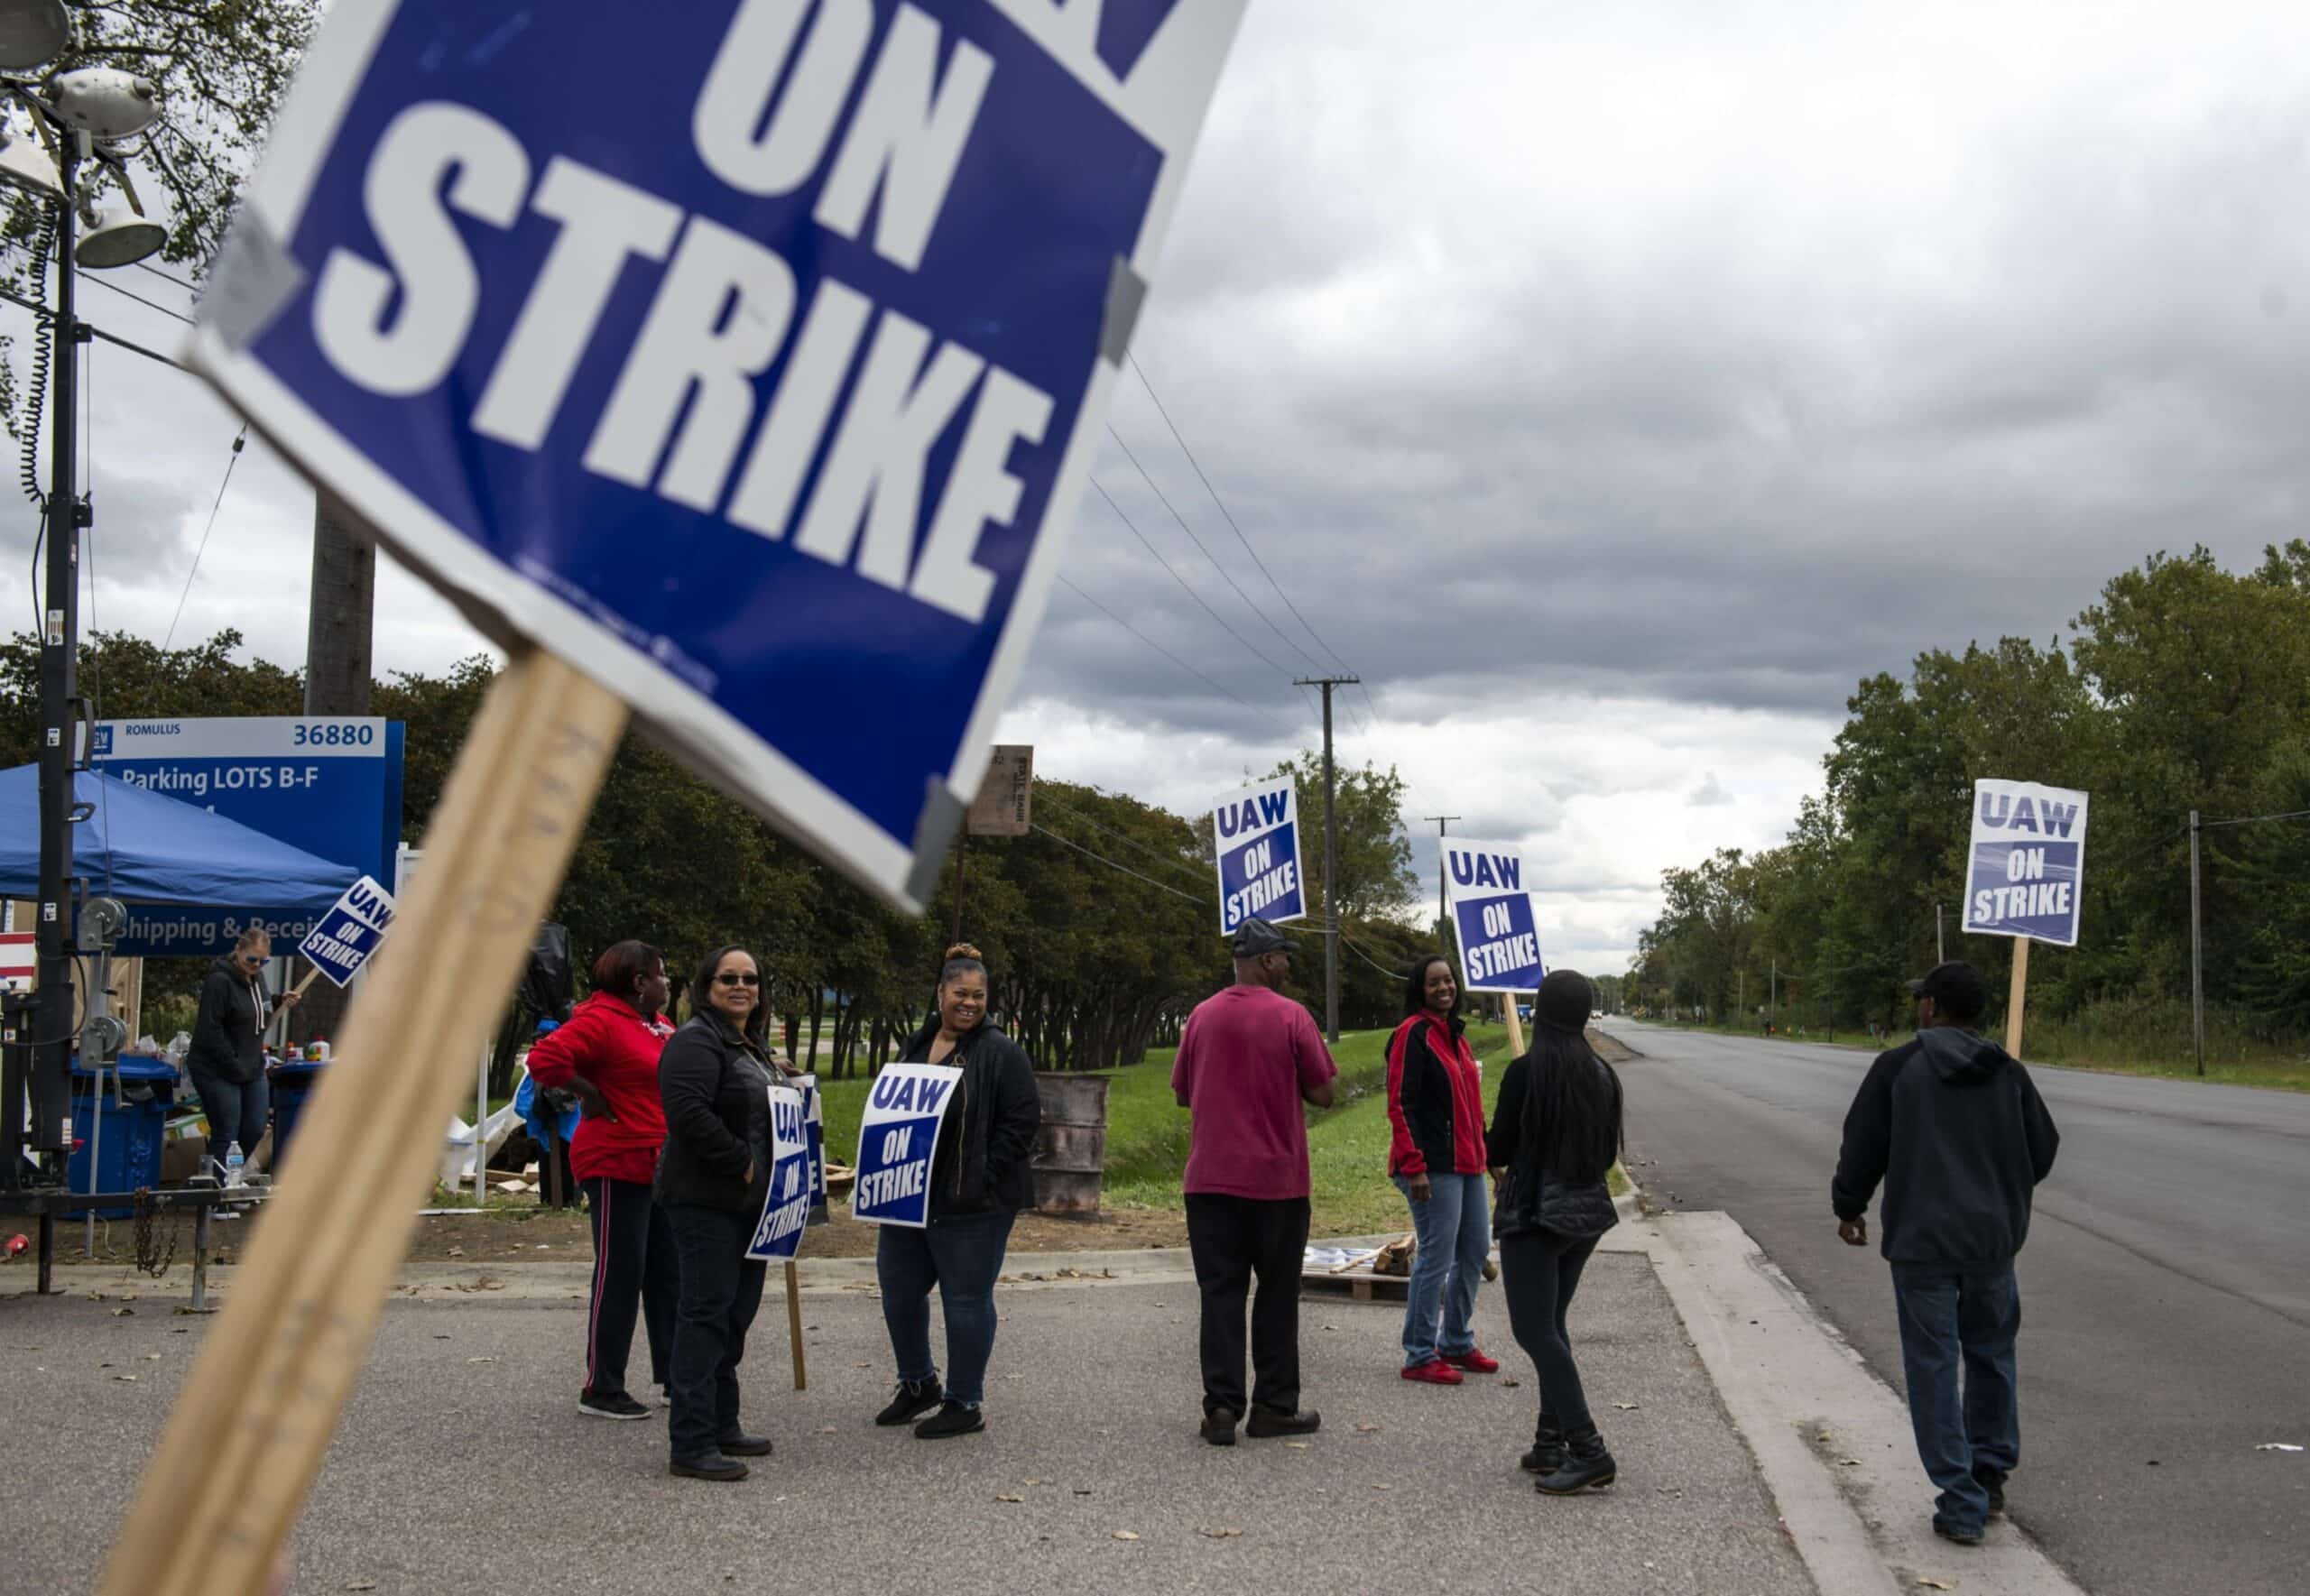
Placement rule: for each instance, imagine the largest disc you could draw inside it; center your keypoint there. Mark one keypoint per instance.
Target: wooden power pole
(1330, 855)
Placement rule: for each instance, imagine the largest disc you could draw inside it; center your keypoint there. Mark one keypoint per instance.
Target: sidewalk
(462, 1465)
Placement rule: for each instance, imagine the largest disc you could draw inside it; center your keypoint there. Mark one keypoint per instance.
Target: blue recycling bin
(292, 1084)
(129, 1150)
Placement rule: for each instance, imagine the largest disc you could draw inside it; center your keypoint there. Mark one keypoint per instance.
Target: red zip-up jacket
(606, 1040)
(1435, 1100)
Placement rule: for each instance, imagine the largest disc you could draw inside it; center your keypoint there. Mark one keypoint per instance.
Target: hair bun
(964, 950)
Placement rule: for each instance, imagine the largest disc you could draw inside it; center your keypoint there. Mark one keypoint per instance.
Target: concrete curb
(1832, 1440)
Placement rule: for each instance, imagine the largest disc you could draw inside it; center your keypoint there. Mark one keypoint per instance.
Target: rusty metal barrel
(1071, 1147)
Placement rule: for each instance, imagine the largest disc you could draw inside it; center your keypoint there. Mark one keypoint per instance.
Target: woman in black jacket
(713, 1173)
(1554, 1131)
(980, 1178)
(226, 1059)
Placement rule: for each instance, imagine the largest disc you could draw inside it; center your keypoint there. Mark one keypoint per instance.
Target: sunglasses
(736, 978)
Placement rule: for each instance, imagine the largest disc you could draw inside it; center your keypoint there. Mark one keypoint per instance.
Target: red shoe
(1434, 1372)
(1474, 1361)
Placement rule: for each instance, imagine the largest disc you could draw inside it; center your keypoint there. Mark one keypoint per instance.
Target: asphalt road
(462, 1467)
(2166, 1289)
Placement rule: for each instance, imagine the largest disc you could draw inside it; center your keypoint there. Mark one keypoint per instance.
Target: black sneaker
(914, 1398)
(712, 1466)
(616, 1404)
(1266, 1422)
(1957, 1533)
(745, 1445)
(1994, 1482)
(953, 1418)
(1219, 1426)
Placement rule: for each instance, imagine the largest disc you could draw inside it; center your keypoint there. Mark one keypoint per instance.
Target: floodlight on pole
(33, 32)
(23, 165)
(116, 238)
(105, 102)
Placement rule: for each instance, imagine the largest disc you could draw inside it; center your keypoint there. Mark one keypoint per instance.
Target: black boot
(914, 1398)
(1547, 1455)
(1587, 1465)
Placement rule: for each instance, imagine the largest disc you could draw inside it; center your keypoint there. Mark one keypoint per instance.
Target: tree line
(1100, 927)
(2185, 687)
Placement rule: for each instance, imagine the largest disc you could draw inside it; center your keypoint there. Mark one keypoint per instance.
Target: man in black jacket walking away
(1955, 1130)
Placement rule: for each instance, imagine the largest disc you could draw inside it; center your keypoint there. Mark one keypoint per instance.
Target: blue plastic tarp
(145, 847)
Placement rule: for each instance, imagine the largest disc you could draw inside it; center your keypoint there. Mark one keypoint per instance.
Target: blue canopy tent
(143, 847)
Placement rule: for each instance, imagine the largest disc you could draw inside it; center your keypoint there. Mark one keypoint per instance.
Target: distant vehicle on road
(1523, 1011)
(1598, 1014)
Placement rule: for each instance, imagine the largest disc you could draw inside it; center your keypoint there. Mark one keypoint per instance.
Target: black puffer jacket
(715, 1086)
(228, 1031)
(986, 1142)
(1529, 1198)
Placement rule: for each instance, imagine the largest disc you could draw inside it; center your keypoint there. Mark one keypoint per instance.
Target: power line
(45, 314)
(1182, 581)
(1357, 948)
(2252, 819)
(1230, 518)
(129, 294)
(1126, 868)
(1124, 838)
(1174, 658)
(238, 441)
(167, 277)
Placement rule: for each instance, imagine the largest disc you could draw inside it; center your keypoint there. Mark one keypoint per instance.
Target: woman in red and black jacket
(1435, 1104)
(606, 1054)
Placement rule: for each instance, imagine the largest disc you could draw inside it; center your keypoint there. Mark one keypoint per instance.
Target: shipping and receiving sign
(1256, 834)
(749, 354)
(897, 1140)
(1498, 922)
(328, 784)
(2025, 871)
(786, 1205)
(351, 931)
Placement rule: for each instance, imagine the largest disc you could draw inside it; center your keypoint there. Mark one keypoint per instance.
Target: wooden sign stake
(2013, 1003)
(1515, 1028)
(794, 1325)
(247, 1436)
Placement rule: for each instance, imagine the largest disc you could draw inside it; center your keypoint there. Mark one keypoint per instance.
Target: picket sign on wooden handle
(2018, 998)
(310, 977)
(247, 1436)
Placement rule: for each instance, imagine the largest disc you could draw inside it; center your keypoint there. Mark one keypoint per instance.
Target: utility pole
(2197, 957)
(1331, 854)
(1443, 900)
(60, 687)
(1939, 955)
(340, 628)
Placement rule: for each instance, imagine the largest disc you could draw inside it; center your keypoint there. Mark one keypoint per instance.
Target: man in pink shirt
(1248, 1058)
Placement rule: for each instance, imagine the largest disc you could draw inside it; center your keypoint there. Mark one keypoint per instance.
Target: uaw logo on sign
(786, 1204)
(1256, 834)
(1495, 916)
(811, 307)
(349, 935)
(2026, 868)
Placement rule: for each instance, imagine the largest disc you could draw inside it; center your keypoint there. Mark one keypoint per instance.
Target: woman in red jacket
(1435, 1104)
(606, 1053)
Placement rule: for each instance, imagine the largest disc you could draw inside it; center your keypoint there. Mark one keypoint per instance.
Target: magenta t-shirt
(1247, 1055)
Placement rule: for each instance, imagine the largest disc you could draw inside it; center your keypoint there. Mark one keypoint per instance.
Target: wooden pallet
(1358, 1285)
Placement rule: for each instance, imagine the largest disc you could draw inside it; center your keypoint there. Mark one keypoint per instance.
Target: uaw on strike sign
(2025, 871)
(741, 352)
(1494, 914)
(1256, 837)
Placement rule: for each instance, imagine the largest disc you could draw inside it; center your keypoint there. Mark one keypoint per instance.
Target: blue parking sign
(750, 359)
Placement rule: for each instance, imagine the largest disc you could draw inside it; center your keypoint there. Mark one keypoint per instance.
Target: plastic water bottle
(234, 1174)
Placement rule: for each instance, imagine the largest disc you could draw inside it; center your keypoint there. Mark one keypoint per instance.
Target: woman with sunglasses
(226, 1059)
(713, 1079)
(980, 1178)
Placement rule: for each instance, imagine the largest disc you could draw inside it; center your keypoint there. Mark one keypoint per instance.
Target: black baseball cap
(1957, 989)
(1255, 936)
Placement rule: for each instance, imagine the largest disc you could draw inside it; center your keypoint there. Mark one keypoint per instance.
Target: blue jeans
(1948, 1320)
(236, 1109)
(961, 1256)
(1453, 1228)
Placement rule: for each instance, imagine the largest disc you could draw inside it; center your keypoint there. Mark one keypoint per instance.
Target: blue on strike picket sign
(330, 785)
(2025, 874)
(1498, 922)
(352, 931)
(1256, 834)
(897, 1139)
(786, 1206)
(746, 353)
(814, 1131)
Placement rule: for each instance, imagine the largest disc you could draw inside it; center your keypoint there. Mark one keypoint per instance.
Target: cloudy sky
(1611, 387)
